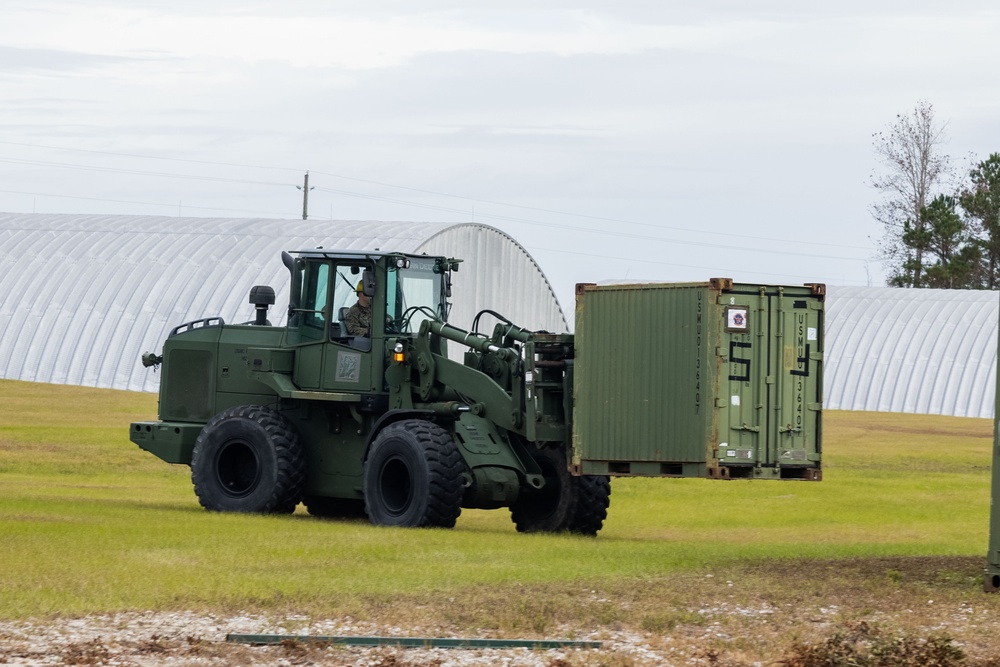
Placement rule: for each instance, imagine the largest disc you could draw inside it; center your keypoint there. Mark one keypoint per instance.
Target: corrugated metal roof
(911, 350)
(85, 295)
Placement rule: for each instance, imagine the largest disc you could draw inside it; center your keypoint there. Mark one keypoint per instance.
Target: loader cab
(403, 291)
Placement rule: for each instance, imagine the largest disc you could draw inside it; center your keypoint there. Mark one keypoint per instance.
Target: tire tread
(444, 464)
(289, 460)
(580, 506)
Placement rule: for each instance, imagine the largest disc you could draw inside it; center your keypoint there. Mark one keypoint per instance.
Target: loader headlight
(397, 353)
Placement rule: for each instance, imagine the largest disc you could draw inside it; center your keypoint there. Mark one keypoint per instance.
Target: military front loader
(382, 422)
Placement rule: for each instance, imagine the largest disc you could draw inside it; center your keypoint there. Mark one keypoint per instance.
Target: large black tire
(593, 496)
(413, 476)
(566, 502)
(248, 459)
(334, 508)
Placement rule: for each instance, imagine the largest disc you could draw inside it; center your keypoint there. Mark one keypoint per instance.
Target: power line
(538, 223)
(673, 264)
(617, 234)
(128, 201)
(137, 172)
(592, 217)
(147, 157)
(560, 251)
(404, 202)
(535, 222)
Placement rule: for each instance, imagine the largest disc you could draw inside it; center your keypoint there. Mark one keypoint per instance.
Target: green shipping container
(715, 379)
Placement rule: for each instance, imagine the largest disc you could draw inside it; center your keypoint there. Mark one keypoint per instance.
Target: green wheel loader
(358, 410)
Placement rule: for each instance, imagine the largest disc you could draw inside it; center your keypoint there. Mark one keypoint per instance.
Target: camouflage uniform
(359, 320)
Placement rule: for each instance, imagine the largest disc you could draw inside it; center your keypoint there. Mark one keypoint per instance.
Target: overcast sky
(613, 139)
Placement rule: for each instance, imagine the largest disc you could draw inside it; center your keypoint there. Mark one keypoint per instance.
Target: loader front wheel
(566, 502)
(413, 476)
(248, 459)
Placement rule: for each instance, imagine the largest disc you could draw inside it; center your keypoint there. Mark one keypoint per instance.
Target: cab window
(315, 287)
(346, 282)
(413, 295)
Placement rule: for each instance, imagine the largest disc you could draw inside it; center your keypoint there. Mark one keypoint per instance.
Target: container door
(797, 327)
(771, 382)
(743, 380)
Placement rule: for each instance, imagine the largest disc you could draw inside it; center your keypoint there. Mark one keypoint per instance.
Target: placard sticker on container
(735, 399)
(811, 333)
(737, 318)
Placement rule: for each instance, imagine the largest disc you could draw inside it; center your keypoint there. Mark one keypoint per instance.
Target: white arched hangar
(924, 351)
(85, 295)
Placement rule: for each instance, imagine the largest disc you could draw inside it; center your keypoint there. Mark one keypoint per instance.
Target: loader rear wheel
(566, 502)
(593, 496)
(248, 459)
(413, 476)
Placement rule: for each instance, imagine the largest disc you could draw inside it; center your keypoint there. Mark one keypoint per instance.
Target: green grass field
(89, 523)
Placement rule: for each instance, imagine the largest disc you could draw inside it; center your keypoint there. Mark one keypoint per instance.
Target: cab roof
(376, 254)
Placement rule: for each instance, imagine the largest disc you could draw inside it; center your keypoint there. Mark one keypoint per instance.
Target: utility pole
(305, 197)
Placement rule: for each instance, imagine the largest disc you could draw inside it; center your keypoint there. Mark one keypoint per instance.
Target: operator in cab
(359, 316)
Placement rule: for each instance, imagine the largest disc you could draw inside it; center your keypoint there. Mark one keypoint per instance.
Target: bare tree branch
(912, 169)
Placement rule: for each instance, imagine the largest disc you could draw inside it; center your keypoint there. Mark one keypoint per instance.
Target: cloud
(41, 60)
(353, 42)
(716, 116)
